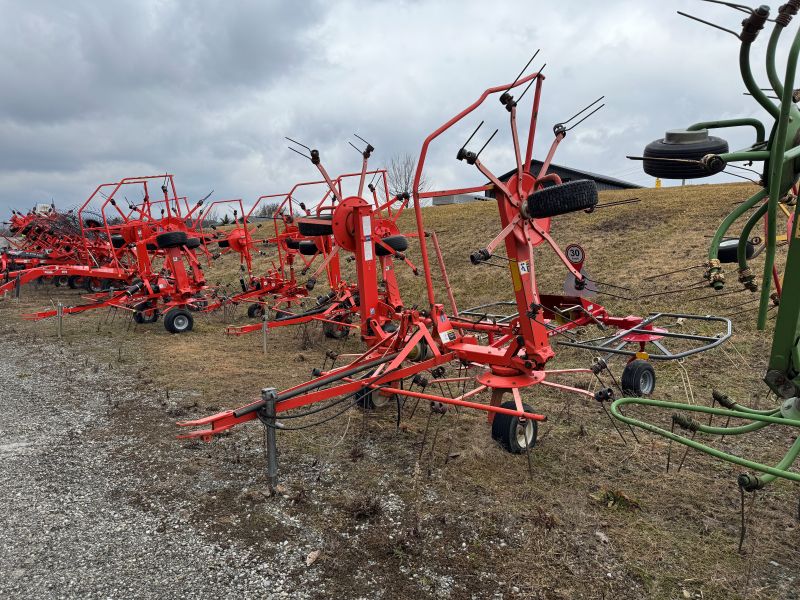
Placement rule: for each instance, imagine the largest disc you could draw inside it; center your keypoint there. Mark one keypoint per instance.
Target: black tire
(178, 320)
(171, 239)
(117, 241)
(315, 229)
(369, 398)
(95, 286)
(307, 248)
(561, 199)
(729, 250)
(255, 311)
(692, 145)
(510, 432)
(193, 243)
(223, 243)
(292, 243)
(398, 243)
(61, 281)
(334, 331)
(74, 282)
(638, 378)
(141, 318)
(151, 247)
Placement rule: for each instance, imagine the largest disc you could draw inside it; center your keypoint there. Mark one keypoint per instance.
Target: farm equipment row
(411, 350)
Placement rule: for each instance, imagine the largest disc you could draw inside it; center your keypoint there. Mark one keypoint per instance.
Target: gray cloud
(95, 92)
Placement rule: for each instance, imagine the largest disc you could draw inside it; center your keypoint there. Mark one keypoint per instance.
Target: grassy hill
(599, 517)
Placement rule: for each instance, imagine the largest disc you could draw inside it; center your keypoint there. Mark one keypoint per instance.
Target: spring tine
(584, 118)
(583, 110)
(300, 153)
(298, 143)
(528, 64)
(486, 144)
(469, 139)
(710, 24)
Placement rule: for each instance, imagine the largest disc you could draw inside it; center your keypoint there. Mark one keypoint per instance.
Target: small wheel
(682, 145)
(178, 320)
(514, 435)
(193, 243)
(255, 311)
(555, 200)
(316, 229)
(292, 243)
(335, 331)
(117, 241)
(74, 282)
(171, 239)
(307, 248)
(638, 378)
(61, 281)
(369, 398)
(398, 243)
(729, 251)
(95, 286)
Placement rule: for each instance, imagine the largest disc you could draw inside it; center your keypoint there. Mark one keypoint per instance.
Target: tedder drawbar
(500, 359)
(691, 153)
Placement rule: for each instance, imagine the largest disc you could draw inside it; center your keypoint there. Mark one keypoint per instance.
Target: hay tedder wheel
(728, 251)
(638, 378)
(370, 399)
(178, 320)
(398, 243)
(292, 243)
(171, 239)
(117, 240)
(141, 317)
(193, 243)
(255, 311)
(307, 248)
(682, 145)
(316, 229)
(61, 280)
(512, 433)
(335, 331)
(95, 286)
(561, 199)
(74, 282)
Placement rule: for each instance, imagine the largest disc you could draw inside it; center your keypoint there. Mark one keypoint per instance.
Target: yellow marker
(515, 277)
(642, 355)
(658, 183)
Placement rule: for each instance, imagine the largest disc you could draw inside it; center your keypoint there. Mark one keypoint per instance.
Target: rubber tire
(151, 247)
(313, 229)
(90, 286)
(632, 375)
(398, 243)
(140, 319)
(675, 170)
(61, 281)
(74, 282)
(307, 248)
(255, 311)
(504, 429)
(193, 243)
(729, 250)
(572, 196)
(117, 241)
(292, 243)
(332, 331)
(223, 243)
(178, 314)
(171, 239)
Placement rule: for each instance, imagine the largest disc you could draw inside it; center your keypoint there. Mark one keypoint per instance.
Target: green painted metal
(761, 131)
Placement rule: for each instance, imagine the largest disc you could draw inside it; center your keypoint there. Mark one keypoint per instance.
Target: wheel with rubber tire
(178, 320)
(255, 311)
(223, 243)
(514, 435)
(117, 241)
(316, 229)
(369, 398)
(398, 243)
(335, 331)
(307, 248)
(74, 282)
(95, 285)
(682, 145)
(572, 196)
(638, 378)
(171, 239)
(61, 281)
(728, 251)
(193, 243)
(292, 243)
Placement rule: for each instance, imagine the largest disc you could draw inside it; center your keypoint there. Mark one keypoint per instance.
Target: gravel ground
(68, 471)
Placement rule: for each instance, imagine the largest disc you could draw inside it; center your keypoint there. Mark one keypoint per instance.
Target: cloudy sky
(97, 91)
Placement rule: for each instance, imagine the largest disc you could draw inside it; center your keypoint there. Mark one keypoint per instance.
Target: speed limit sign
(575, 255)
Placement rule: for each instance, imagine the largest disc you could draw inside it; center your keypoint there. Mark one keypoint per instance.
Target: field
(384, 516)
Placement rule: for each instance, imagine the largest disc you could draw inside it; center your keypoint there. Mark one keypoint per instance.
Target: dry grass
(599, 519)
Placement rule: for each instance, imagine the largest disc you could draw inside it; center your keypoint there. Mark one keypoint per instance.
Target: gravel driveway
(69, 528)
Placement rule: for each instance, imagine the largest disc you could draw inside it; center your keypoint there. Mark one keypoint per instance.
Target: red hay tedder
(498, 355)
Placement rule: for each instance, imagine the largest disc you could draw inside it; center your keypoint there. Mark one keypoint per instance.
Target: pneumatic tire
(638, 378)
(316, 229)
(307, 248)
(561, 199)
(398, 243)
(512, 433)
(171, 239)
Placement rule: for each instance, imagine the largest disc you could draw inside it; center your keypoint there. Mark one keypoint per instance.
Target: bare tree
(266, 210)
(401, 171)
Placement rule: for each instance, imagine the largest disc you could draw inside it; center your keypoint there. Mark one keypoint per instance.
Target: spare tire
(171, 239)
(729, 250)
(307, 248)
(315, 229)
(561, 199)
(398, 243)
(684, 145)
(192, 243)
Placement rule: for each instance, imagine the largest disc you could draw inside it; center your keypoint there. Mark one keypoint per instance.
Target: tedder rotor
(498, 359)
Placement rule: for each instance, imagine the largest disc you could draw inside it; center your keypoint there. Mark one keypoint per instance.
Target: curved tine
(709, 23)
